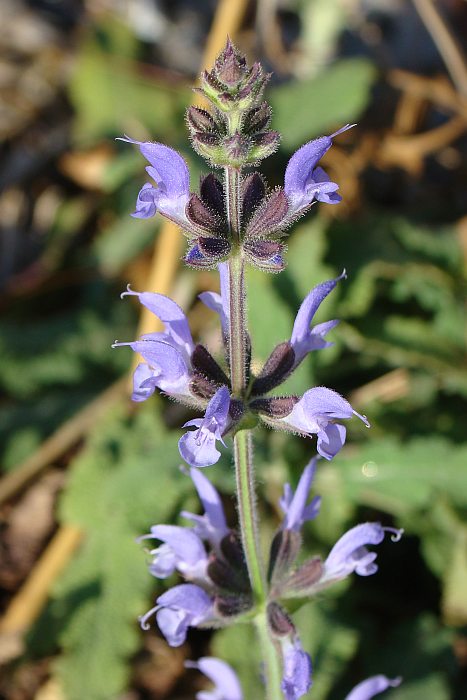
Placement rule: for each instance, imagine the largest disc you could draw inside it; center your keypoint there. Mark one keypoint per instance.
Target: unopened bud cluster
(234, 132)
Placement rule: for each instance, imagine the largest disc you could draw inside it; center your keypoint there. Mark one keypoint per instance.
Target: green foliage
(338, 95)
(126, 479)
(110, 93)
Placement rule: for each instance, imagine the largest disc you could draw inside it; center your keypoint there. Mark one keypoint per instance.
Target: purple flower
(167, 353)
(350, 554)
(170, 172)
(304, 181)
(211, 526)
(183, 606)
(304, 339)
(295, 505)
(315, 412)
(227, 686)
(220, 303)
(371, 687)
(182, 551)
(198, 447)
(296, 679)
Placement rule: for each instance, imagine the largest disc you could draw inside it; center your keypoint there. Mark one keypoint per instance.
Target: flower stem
(272, 665)
(247, 512)
(243, 447)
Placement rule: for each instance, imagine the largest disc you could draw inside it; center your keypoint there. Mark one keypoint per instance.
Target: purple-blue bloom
(182, 551)
(305, 339)
(183, 606)
(170, 172)
(295, 505)
(372, 686)
(296, 679)
(166, 353)
(315, 413)
(220, 303)
(227, 686)
(350, 554)
(304, 181)
(198, 447)
(211, 526)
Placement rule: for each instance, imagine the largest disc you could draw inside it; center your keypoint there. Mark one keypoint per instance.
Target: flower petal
(303, 338)
(296, 680)
(350, 554)
(372, 686)
(223, 677)
(183, 606)
(212, 525)
(297, 512)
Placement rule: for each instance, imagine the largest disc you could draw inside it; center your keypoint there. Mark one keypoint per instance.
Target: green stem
(247, 512)
(237, 336)
(273, 668)
(243, 447)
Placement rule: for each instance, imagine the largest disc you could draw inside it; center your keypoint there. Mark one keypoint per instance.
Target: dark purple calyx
(276, 369)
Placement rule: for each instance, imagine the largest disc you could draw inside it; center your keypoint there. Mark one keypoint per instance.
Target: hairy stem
(243, 447)
(272, 665)
(246, 497)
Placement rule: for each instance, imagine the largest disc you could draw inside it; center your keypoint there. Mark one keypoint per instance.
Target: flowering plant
(232, 222)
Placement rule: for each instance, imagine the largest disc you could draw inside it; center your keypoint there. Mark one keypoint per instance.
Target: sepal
(257, 119)
(265, 255)
(301, 583)
(276, 369)
(232, 605)
(202, 217)
(207, 252)
(212, 193)
(285, 547)
(203, 363)
(275, 406)
(226, 577)
(279, 622)
(253, 193)
(200, 120)
(263, 145)
(270, 216)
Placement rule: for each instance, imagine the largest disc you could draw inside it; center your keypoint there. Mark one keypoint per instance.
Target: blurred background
(84, 472)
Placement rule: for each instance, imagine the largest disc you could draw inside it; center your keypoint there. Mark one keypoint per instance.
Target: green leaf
(126, 479)
(398, 477)
(307, 108)
(110, 95)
